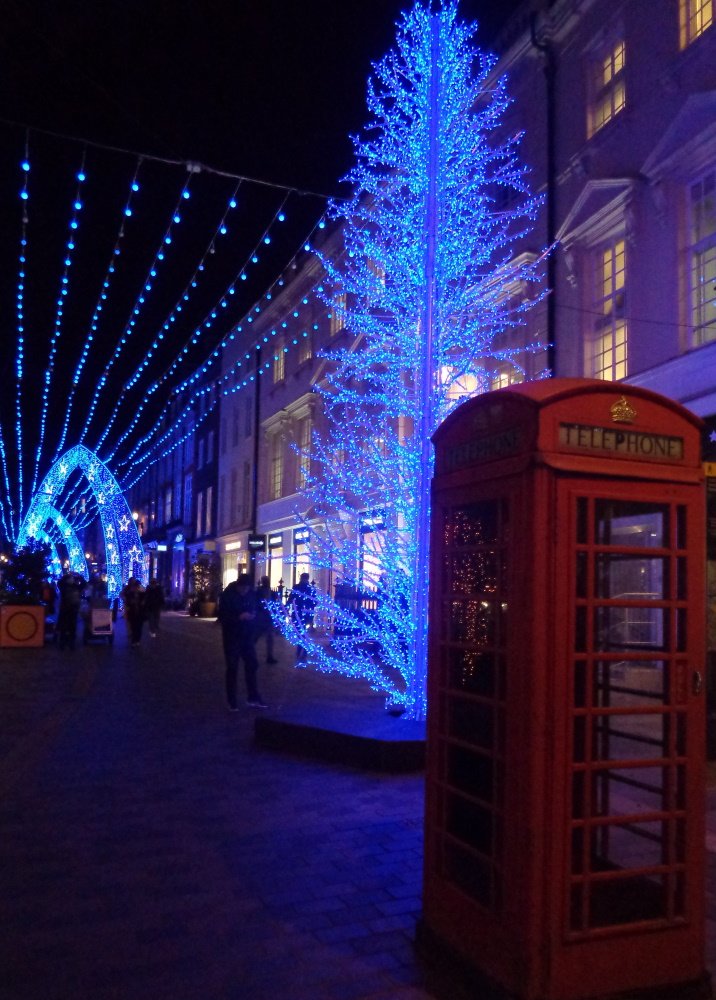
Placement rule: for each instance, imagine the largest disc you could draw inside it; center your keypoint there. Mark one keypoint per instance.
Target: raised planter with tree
(22, 613)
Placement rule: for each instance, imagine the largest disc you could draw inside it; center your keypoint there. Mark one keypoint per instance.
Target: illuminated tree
(427, 283)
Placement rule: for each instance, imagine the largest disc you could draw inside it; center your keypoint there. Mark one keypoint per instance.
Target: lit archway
(57, 529)
(123, 546)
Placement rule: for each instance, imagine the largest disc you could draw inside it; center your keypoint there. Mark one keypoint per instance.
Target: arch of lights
(57, 528)
(123, 547)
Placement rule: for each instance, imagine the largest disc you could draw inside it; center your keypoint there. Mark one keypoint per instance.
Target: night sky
(269, 90)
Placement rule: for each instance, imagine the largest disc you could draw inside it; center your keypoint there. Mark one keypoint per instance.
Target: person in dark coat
(302, 604)
(70, 587)
(153, 604)
(264, 621)
(133, 597)
(237, 612)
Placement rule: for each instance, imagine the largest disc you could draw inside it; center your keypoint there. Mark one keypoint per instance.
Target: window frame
(608, 305)
(690, 12)
(607, 96)
(703, 245)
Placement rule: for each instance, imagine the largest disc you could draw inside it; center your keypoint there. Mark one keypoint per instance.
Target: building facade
(175, 500)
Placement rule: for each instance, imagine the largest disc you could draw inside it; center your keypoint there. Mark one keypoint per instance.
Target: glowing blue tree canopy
(428, 283)
(43, 521)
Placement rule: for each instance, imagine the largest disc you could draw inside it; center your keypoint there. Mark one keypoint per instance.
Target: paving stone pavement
(150, 852)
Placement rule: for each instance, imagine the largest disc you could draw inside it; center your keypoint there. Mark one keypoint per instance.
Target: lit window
(208, 526)
(279, 363)
(199, 514)
(702, 260)
(187, 499)
(305, 351)
(304, 458)
(459, 386)
(275, 469)
(505, 374)
(609, 332)
(695, 16)
(245, 492)
(233, 501)
(609, 94)
(338, 314)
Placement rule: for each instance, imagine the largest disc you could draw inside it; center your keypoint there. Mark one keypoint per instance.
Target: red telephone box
(565, 842)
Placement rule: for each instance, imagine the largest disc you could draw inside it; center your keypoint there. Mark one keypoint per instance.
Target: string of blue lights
(99, 307)
(57, 332)
(126, 333)
(20, 354)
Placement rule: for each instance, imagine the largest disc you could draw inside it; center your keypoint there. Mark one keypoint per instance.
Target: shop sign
(301, 536)
(257, 543)
(162, 547)
(275, 541)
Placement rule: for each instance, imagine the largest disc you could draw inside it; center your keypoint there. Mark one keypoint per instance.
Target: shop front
(275, 560)
(234, 558)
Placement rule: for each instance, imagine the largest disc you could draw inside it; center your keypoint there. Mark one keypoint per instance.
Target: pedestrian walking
(70, 586)
(237, 613)
(264, 620)
(133, 596)
(153, 604)
(302, 604)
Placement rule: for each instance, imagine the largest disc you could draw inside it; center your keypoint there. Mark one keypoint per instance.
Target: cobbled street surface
(149, 851)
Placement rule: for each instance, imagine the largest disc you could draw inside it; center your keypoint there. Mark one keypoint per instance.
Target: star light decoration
(426, 283)
(123, 545)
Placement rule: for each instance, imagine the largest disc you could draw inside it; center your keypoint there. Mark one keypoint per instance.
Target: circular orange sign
(21, 626)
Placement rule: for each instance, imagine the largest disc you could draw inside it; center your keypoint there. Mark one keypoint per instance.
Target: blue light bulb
(24, 195)
(135, 186)
(185, 194)
(81, 176)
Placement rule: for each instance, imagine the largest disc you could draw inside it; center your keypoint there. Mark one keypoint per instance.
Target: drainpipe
(550, 73)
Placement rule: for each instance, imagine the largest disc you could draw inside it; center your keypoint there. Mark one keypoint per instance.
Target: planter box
(22, 625)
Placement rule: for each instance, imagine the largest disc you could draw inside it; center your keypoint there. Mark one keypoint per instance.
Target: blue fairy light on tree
(430, 285)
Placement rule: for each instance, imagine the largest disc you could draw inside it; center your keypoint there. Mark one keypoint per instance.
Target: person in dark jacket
(153, 604)
(302, 605)
(237, 612)
(133, 596)
(70, 587)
